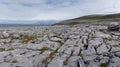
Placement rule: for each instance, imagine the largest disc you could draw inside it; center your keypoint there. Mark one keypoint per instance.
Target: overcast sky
(55, 9)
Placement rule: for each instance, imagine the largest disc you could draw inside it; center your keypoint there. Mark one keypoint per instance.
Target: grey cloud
(55, 9)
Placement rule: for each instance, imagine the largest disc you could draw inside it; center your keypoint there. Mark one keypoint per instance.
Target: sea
(27, 23)
(23, 25)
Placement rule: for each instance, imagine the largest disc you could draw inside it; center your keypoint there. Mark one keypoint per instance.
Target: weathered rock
(55, 39)
(38, 61)
(81, 63)
(22, 65)
(117, 54)
(110, 55)
(15, 36)
(88, 52)
(5, 34)
(56, 62)
(59, 46)
(5, 64)
(95, 42)
(2, 56)
(89, 57)
(102, 49)
(101, 35)
(94, 64)
(75, 61)
(115, 49)
(114, 26)
(114, 62)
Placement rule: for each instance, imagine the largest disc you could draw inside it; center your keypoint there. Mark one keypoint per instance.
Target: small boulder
(114, 26)
(16, 36)
(5, 34)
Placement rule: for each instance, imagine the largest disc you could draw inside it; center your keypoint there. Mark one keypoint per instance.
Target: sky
(55, 9)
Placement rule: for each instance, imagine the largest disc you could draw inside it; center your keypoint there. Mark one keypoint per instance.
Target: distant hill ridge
(92, 19)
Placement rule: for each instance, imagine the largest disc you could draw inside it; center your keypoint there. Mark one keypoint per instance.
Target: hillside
(92, 19)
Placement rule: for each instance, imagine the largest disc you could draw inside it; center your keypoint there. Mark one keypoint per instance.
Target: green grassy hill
(92, 19)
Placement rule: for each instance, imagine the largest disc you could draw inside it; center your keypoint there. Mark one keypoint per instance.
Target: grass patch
(14, 61)
(5, 42)
(10, 54)
(50, 57)
(23, 53)
(11, 36)
(79, 54)
(10, 49)
(65, 62)
(60, 42)
(45, 61)
(2, 49)
(103, 65)
(27, 38)
(45, 49)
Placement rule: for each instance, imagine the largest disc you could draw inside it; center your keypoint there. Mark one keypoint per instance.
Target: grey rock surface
(59, 46)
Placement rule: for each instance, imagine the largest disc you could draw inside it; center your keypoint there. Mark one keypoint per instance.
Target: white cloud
(55, 9)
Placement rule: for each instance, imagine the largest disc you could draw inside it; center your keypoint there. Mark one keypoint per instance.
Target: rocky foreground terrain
(59, 46)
